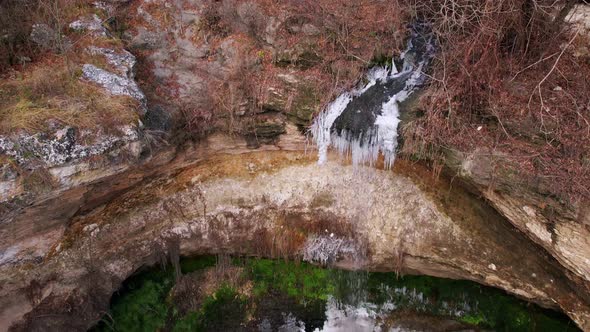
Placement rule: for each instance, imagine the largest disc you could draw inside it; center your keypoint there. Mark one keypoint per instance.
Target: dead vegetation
(507, 81)
(42, 91)
(17, 18)
(328, 42)
(50, 95)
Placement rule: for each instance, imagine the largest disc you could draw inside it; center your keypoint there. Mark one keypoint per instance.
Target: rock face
(91, 24)
(47, 38)
(107, 213)
(560, 229)
(63, 147)
(275, 204)
(61, 157)
(113, 83)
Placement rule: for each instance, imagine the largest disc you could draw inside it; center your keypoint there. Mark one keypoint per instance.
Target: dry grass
(506, 81)
(50, 94)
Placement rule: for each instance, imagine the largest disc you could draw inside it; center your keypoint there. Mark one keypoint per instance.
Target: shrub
(17, 18)
(507, 68)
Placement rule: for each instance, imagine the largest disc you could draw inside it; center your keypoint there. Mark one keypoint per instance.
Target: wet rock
(360, 114)
(157, 118)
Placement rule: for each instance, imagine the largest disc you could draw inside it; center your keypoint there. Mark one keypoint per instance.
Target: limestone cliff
(194, 134)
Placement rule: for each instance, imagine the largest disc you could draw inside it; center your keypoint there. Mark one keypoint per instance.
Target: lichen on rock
(91, 24)
(113, 83)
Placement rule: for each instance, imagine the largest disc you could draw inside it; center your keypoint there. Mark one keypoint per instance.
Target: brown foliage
(506, 81)
(342, 39)
(48, 93)
(16, 20)
(14, 34)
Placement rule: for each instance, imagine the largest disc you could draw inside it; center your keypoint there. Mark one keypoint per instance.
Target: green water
(278, 291)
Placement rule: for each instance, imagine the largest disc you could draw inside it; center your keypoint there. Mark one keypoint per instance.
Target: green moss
(144, 304)
(190, 322)
(188, 265)
(143, 307)
(223, 311)
(381, 60)
(476, 319)
(301, 281)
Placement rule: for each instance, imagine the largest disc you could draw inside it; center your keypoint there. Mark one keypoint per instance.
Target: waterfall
(362, 123)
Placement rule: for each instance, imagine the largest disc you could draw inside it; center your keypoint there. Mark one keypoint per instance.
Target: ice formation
(364, 144)
(327, 249)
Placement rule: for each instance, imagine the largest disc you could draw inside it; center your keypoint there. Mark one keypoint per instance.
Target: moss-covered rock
(298, 100)
(305, 105)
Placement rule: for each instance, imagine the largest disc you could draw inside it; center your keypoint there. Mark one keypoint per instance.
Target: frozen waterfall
(363, 123)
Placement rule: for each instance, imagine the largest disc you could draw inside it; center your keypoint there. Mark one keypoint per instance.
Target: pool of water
(246, 294)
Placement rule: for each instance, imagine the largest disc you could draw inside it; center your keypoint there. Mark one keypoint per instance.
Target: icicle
(387, 124)
(320, 129)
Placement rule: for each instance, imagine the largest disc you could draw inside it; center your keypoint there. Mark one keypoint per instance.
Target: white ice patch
(9, 254)
(382, 137)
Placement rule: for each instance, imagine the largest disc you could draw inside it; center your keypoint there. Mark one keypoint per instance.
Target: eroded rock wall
(278, 204)
(62, 255)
